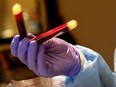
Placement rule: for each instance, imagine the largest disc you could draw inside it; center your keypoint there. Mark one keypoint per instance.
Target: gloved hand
(51, 58)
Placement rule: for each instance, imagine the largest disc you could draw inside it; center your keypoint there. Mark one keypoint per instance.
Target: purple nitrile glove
(51, 58)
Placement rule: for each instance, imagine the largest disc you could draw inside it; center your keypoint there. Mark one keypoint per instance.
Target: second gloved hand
(51, 58)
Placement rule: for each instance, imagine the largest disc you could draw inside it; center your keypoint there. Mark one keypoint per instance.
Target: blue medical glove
(51, 58)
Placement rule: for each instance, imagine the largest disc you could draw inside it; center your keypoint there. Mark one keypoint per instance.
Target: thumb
(30, 35)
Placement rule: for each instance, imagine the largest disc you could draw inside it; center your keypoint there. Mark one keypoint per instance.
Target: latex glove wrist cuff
(76, 69)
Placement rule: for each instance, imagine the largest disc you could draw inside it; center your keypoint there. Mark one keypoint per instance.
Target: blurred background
(96, 29)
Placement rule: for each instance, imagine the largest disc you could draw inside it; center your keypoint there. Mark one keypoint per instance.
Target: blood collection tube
(55, 31)
(17, 12)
